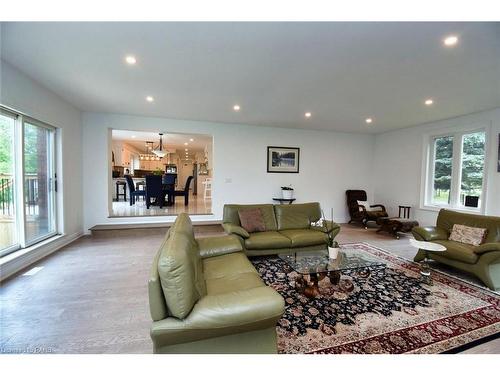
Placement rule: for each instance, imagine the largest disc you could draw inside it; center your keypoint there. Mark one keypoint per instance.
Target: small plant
(157, 172)
(331, 241)
(289, 187)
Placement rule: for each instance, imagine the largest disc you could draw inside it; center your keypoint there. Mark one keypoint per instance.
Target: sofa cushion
(251, 220)
(305, 237)
(180, 269)
(231, 214)
(267, 240)
(458, 251)
(226, 265)
(234, 283)
(467, 235)
(297, 216)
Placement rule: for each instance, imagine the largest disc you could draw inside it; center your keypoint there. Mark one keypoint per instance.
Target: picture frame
(283, 159)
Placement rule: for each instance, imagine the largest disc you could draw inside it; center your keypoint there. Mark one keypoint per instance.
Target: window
(27, 181)
(455, 176)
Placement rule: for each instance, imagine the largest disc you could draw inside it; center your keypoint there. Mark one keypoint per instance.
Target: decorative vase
(287, 194)
(333, 252)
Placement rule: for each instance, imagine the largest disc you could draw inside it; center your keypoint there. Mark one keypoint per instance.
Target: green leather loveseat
(206, 297)
(482, 261)
(288, 228)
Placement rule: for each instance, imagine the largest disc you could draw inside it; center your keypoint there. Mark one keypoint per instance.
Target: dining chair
(133, 193)
(154, 189)
(185, 192)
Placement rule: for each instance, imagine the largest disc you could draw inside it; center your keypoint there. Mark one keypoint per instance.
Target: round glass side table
(425, 272)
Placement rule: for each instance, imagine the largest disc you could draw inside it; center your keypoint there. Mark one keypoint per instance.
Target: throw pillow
(364, 203)
(468, 235)
(251, 220)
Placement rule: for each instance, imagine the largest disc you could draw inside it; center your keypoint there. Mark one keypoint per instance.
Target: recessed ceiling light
(133, 136)
(185, 143)
(131, 60)
(236, 107)
(185, 149)
(429, 102)
(369, 120)
(191, 140)
(150, 99)
(450, 40)
(308, 114)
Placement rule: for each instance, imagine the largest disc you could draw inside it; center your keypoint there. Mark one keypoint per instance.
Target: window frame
(427, 176)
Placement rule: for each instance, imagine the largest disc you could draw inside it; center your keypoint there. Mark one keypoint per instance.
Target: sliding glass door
(38, 182)
(27, 181)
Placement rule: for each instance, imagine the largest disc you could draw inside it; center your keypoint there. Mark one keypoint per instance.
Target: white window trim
(427, 167)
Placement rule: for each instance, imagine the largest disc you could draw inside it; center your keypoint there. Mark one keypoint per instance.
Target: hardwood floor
(91, 297)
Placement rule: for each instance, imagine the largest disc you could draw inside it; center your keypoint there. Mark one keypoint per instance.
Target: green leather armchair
(483, 261)
(206, 297)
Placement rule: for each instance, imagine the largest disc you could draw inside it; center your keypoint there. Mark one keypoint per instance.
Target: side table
(283, 200)
(406, 212)
(425, 273)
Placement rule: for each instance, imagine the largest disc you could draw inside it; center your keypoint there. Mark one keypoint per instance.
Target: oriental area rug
(388, 311)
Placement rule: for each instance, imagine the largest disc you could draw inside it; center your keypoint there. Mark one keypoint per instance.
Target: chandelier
(153, 153)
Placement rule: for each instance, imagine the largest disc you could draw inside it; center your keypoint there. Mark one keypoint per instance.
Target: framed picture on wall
(283, 159)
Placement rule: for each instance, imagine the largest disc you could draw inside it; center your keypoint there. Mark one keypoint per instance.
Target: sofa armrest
(487, 247)
(235, 229)
(429, 233)
(214, 246)
(330, 226)
(227, 313)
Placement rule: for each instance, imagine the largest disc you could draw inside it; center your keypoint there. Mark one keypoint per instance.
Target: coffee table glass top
(308, 262)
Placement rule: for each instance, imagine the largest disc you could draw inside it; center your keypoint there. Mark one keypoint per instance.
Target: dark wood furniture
(396, 225)
(359, 213)
(154, 189)
(406, 212)
(182, 193)
(133, 193)
(284, 200)
(122, 184)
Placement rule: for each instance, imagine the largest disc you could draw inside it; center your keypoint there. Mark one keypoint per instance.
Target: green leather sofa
(482, 261)
(206, 297)
(288, 228)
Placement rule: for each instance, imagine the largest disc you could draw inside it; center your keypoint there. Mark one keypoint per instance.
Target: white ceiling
(341, 72)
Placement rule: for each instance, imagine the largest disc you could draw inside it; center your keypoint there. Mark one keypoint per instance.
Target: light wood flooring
(91, 297)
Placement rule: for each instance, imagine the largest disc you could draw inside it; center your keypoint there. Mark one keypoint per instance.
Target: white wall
(398, 164)
(23, 94)
(330, 163)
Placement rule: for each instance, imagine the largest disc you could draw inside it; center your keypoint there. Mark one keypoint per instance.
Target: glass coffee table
(314, 266)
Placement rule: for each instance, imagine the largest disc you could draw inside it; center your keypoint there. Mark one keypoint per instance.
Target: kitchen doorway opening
(160, 173)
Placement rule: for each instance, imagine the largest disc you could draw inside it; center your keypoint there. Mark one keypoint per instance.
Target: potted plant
(333, 246)
(287, 192)
(157, 172)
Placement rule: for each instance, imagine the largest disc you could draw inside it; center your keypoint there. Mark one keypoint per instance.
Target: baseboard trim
(19, 260)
